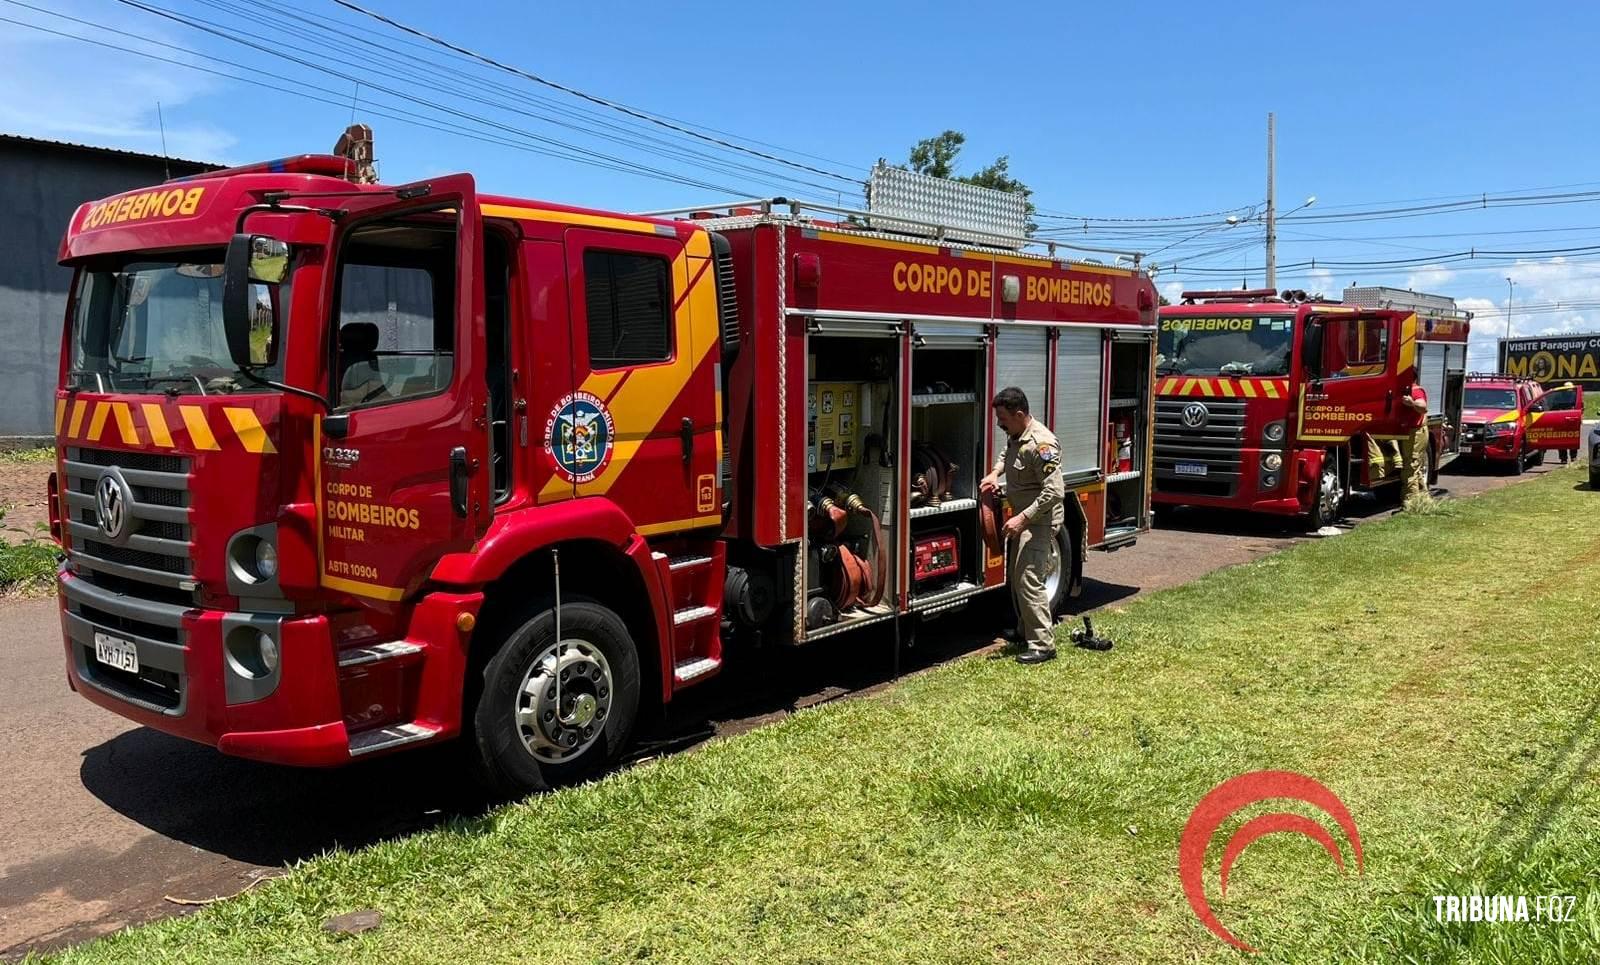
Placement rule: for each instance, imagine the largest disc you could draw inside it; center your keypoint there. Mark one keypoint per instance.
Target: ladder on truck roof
(738, 214)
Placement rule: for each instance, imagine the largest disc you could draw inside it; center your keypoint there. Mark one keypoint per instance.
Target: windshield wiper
(191, 377)
(1168, 368)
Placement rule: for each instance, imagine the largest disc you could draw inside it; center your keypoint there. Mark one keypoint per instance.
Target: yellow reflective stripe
(125, 429)
(1272, 389)
(97, 422)
(156, 422)
(373, 590)
(1249, 389)
(61, 411)
(1227, 387)
(248, 428)
(653, 529)
(79, 407)
(194, 419)
(1205, 388)
(569, 218)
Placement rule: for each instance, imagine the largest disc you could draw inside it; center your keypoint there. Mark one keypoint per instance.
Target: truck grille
(138, 587)
(156, 550)
(1215, 445)
(1471, 432)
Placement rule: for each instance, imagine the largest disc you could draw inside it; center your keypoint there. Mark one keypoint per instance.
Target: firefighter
(1414, 421)
(1032, 467)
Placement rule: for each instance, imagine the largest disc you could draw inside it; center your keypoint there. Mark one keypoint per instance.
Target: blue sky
(1129, 111)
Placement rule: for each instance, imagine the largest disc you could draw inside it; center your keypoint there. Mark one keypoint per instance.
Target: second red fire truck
(349, 468)
(1281, 403)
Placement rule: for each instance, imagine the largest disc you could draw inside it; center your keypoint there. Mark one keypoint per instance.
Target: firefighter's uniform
(1032, 467)
(1414, 418)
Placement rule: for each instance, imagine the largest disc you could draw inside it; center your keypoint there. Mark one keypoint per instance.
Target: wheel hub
(1329, 494)
(564, 700)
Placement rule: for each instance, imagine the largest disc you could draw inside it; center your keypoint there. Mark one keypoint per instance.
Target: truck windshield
(1485, 398)
(148, 325)
(1225, 345)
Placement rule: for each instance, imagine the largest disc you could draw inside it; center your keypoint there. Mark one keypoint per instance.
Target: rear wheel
(1329, 496)
(1058, 585)
(1594, 478)
(554, 712)
(1432, 473)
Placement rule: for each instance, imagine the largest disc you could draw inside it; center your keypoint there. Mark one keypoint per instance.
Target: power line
(573, 91)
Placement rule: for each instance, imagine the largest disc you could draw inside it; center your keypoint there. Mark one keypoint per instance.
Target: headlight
(268, 648)
(1273, 432)
(1273, 461)
(1269, 481)
(1500, 428)
(266, 560)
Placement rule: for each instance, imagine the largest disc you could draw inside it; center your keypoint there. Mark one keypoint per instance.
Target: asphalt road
(106, 823)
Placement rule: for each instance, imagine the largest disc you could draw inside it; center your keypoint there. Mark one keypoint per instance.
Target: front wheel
(1594, 478)
(1329, 496)
(554, 712)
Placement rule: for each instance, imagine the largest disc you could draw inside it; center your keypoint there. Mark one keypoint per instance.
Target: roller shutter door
(1078, 398)
(1020, 356)
(1430, 372)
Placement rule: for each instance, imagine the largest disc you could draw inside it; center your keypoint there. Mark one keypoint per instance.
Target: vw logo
(1195, 415)
(112, 505)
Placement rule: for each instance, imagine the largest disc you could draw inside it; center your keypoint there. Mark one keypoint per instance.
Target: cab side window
(628, 297)
(396, 324)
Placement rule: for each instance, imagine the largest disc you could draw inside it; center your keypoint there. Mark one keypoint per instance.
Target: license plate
(116, 652)
(1190, 468)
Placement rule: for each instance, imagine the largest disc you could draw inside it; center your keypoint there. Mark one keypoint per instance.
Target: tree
(936, 157)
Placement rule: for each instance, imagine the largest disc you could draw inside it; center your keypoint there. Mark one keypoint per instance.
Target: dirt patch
(22, 495)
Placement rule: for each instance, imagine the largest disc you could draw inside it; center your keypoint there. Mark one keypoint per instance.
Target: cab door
(642, 426)
(1350, 360)
(1555, 419)
(402, 475)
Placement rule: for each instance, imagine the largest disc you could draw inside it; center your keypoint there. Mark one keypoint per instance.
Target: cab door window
(1356, 347)
(628, 298)
(396, 322)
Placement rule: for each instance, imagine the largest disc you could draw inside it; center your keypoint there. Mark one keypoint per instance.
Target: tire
(1431, 475)
(1329, 497)
(1518, 464)
(1594, 478)
(519, 738)
(1059, 586)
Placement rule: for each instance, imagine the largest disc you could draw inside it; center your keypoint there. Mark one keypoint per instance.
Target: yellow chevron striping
(194, 419)
(125, 427)
(248, 428)
(1249, 389)
(1272, 389)
(156, 421)
(1227, 387)
(61, 411)
(1206, 389)
(97, 422)
(79, 407)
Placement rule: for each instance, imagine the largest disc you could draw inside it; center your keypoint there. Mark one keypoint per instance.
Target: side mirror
(1311, 348)
(252, 261)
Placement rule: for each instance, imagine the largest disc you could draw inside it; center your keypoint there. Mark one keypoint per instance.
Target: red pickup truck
(1510, 420)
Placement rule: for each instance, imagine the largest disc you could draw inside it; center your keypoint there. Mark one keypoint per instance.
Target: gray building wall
(41, 184)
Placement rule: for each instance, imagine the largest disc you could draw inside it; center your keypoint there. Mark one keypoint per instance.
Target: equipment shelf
(948, 506)
(943, 398)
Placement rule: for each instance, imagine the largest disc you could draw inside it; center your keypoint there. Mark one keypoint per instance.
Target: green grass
(1439, 672)
(34, 455)
(27, 560)
(1591, 404)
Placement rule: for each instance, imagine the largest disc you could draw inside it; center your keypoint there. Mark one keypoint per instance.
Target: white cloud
(73, 91)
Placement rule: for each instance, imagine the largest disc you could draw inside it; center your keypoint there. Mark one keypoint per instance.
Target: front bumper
(1244, 488)
(1492, 448)
(186, 688)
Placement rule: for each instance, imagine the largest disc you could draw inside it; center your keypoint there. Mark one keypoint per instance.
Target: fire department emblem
(1196, 415)
(579, 436)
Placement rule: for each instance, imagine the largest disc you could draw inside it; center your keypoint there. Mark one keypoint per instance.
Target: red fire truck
(346, 468)
(1282, 403)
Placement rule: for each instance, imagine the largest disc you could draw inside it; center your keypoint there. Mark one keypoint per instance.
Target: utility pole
(1510, 290)
(1272, 208)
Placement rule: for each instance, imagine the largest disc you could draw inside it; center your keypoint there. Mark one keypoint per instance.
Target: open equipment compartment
(948, 406)
(1127, 437)
(851, 444)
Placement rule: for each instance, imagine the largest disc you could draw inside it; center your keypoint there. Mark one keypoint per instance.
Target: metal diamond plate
(893, 193)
